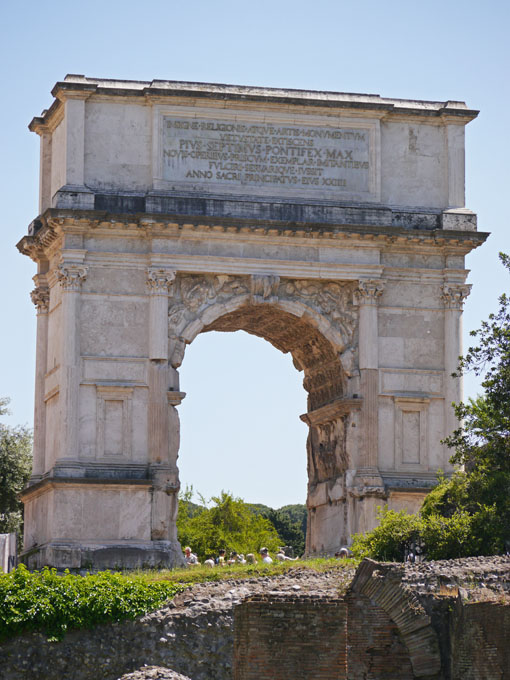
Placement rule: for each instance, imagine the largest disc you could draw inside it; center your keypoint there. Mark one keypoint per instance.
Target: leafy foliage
(390, 539)
(56, 603)
(468, 514)
(228, 524)
(291, 532)
(15, 469)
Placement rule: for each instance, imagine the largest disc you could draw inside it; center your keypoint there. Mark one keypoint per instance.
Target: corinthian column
(165, 483)
(453, 297)
(41, 299)
(369, 290)
(71, 277)
(159, 282)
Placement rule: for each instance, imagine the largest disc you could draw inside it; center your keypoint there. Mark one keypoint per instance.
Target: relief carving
(332, 300)
(264, 287)
(193, 294)
(326, 449)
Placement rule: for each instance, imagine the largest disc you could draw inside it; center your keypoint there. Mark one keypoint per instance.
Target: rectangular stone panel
(264, 157)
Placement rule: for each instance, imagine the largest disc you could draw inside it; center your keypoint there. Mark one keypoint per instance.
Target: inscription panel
(243, 156)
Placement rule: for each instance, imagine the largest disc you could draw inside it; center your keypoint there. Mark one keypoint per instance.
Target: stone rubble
(154, 673)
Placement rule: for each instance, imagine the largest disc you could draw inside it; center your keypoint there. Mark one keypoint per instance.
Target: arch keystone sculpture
(291, 215)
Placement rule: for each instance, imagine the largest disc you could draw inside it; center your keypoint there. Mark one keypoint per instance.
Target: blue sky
(240, 428)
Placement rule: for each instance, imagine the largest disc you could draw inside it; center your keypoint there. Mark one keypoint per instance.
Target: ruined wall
(436, 621)
(480, 641)
(291, 637)
(375, 647)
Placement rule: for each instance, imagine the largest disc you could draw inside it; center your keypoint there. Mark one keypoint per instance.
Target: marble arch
(332, 225)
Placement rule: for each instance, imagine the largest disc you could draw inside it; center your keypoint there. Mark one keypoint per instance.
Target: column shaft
(71, 277)
(40, 297)
(368, 292)
(453, 297)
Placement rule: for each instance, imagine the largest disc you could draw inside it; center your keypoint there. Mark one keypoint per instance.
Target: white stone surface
(370, 309)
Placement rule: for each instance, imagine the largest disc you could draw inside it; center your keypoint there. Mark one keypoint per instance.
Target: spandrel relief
(194, 294)
(327, 452)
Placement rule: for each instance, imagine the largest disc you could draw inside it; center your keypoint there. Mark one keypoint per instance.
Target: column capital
(40, 296)
(454, 295)
(71, 276)
(368, 291)
(160, 280)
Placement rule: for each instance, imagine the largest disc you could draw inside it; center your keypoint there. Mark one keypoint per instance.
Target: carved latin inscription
(236, 154)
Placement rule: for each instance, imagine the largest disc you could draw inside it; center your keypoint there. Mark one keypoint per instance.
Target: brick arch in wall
(375, 581)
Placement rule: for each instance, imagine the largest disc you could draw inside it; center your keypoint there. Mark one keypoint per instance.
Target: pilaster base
(101, 556)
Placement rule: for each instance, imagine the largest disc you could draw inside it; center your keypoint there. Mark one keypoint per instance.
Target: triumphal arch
(331, 225)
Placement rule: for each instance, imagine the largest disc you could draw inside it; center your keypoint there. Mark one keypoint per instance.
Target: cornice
(164, 91)
(55, 222)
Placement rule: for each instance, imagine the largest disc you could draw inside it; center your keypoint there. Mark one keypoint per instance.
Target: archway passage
(315, 323)
(323, 374)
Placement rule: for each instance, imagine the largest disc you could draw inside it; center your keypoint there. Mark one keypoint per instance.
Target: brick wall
(481, 642)
(375, 648)
(303, 638)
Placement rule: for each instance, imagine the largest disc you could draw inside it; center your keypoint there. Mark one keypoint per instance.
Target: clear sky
(240, 425)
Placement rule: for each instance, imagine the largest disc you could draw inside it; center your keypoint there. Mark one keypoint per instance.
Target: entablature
(44, 232)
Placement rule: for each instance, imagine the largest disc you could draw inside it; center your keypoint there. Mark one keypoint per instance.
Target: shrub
(54, 603)
(388, 541)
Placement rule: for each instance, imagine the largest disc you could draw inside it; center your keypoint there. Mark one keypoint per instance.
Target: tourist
(209, 563)
(264, 553)
(191, 558)
(220, 560)
(240, 559)
(233, 558)
(251, 559)
(282, 557)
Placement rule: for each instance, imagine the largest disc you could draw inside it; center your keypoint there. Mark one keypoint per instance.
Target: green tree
(290, 530)
(482, 443)
(15, 469)
(229, 524)
(469, 513)
(389, 540)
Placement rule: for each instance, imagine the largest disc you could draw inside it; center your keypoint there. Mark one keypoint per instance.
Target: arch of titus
(332, 225)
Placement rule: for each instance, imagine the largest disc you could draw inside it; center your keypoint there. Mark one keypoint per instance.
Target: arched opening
(295, 320)
(239, 427)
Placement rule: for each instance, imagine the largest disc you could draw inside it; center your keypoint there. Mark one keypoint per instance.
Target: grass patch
(201, 574)
(53, 603)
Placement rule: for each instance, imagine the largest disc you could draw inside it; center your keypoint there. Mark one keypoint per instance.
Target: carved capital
(264, 287)
(41, 298)
(368, 291)
(71, 276)
(454, 295)
(160, 280)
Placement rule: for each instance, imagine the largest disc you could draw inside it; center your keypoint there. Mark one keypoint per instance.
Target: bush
(54, 603)
(388, 542)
